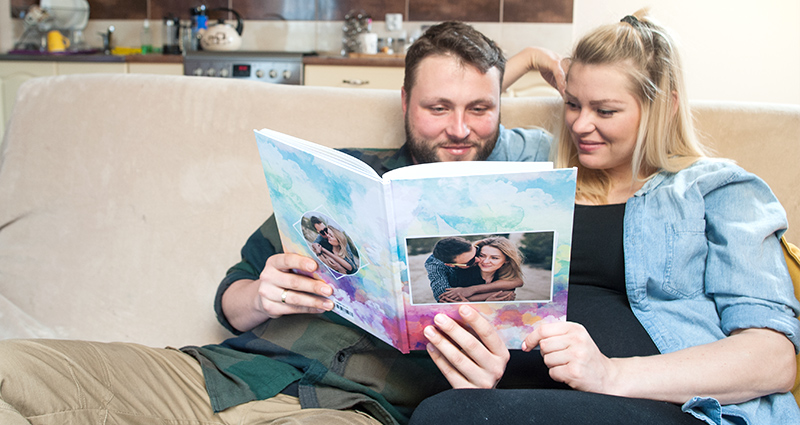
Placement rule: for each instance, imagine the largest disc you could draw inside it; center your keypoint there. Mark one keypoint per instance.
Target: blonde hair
(340, 237)
(666, 140)
(512, 268)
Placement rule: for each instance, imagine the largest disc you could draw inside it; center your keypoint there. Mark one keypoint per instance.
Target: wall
(733, 49)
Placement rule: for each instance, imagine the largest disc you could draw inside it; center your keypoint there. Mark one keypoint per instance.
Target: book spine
(396, 246)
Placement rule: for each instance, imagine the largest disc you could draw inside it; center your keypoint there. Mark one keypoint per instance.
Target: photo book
(374, 237)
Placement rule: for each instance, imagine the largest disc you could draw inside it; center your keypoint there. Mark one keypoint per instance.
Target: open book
(372, 235)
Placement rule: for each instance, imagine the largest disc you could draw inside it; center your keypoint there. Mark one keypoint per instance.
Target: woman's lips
(588, 146)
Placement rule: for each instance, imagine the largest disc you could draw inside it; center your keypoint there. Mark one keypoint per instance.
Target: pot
(221, 36)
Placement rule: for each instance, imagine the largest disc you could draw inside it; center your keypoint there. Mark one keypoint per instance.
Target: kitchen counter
(374, 60)
(96, 57)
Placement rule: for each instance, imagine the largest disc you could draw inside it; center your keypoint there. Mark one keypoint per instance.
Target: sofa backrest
(124, 198)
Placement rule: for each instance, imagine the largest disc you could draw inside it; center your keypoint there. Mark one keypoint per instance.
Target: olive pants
(79, 382)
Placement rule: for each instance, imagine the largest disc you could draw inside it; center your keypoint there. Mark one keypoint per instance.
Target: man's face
(322, 229)
(453, 111)
(465, 260)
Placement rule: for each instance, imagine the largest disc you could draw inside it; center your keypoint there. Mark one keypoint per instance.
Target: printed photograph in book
(482, 268)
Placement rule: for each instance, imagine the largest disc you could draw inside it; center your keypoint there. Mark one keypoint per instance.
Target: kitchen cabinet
(373, 77)
(155, 68)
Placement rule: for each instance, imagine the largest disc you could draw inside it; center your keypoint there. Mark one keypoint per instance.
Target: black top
(597, 297)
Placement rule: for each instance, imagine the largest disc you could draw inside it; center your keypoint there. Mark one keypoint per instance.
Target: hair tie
(632, 20)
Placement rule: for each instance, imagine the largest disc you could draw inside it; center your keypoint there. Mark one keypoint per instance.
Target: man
(452, 264)
(292, 358)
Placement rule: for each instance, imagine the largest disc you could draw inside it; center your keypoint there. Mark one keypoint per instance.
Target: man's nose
(457, 128)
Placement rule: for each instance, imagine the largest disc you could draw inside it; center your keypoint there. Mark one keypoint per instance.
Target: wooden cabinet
(373, 77)
(155, 68)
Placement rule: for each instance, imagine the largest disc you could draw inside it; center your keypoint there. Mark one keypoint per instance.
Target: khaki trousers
(87, 383)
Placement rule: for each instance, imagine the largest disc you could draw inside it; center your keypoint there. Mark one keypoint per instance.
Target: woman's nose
(583, 123)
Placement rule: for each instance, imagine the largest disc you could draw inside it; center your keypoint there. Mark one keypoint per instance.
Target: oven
(267, 67)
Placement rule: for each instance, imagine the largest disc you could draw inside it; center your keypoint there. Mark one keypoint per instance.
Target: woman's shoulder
(711, 174)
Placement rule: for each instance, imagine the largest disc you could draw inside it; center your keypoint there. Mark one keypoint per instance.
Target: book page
(522, 220)
(336, 215)
(464, 168)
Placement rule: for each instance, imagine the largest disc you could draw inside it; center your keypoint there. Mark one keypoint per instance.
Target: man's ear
(403, 99)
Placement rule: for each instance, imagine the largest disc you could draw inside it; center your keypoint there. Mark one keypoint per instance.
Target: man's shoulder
(522, 145)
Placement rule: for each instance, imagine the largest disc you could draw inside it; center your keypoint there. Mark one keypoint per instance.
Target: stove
(267, 67)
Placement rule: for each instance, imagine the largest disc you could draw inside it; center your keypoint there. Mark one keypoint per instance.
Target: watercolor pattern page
(338, 217)
(531, 213)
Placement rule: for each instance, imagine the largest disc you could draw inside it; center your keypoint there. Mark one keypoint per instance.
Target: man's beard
(424, 151)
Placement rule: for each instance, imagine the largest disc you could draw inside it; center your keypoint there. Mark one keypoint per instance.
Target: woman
(500, 264)
(341, 258)
(681, 309)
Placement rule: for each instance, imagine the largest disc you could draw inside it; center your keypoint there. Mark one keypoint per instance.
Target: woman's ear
(674, 102)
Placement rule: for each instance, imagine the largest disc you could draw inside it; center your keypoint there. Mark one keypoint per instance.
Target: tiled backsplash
(552, 11)
(316, 25)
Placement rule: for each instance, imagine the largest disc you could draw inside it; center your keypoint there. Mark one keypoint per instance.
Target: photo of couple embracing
(481, 268)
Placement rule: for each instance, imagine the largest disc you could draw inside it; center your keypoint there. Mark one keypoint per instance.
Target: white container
(368, 43)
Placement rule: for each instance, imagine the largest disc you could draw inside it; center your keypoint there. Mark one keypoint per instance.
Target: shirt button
(341, 357)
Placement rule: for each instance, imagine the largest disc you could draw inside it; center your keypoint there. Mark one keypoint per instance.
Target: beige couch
(124, 198)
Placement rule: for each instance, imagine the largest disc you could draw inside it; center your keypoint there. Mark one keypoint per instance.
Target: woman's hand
(573, 357)
(465, 360)
(550, 65)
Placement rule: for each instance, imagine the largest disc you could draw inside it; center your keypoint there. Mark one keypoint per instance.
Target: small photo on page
(508, 267)
(330, 243)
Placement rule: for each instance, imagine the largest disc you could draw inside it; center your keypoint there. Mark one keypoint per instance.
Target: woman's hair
(648, 55)
(340, 250)
(512, 268)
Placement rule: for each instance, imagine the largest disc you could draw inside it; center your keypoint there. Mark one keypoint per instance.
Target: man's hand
(465, 360)
(281, 291)
(572, 356)
(278, 292)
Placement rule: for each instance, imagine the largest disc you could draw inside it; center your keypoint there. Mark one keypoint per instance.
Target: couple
(332, 247)
(489, 270)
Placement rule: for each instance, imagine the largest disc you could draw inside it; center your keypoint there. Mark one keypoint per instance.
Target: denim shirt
(703, 259)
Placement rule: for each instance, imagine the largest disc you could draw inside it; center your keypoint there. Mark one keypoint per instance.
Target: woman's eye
(571, 105)
(605, 112)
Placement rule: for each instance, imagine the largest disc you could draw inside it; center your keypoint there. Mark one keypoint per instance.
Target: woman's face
(491, 259)
(332, 239)
(602, 116)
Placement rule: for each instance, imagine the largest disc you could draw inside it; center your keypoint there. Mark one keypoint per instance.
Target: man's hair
(458, 40)
(448, 248)
(316, 220)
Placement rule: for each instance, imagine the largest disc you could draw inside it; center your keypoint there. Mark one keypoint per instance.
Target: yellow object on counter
(125, 51)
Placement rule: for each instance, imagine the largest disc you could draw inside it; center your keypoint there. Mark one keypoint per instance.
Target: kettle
(221, 36)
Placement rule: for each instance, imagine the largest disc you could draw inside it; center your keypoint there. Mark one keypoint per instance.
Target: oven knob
(198, 72)
(223, 72)
(273, 73)
(260, 73)
(287, 74)
(211, 72)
